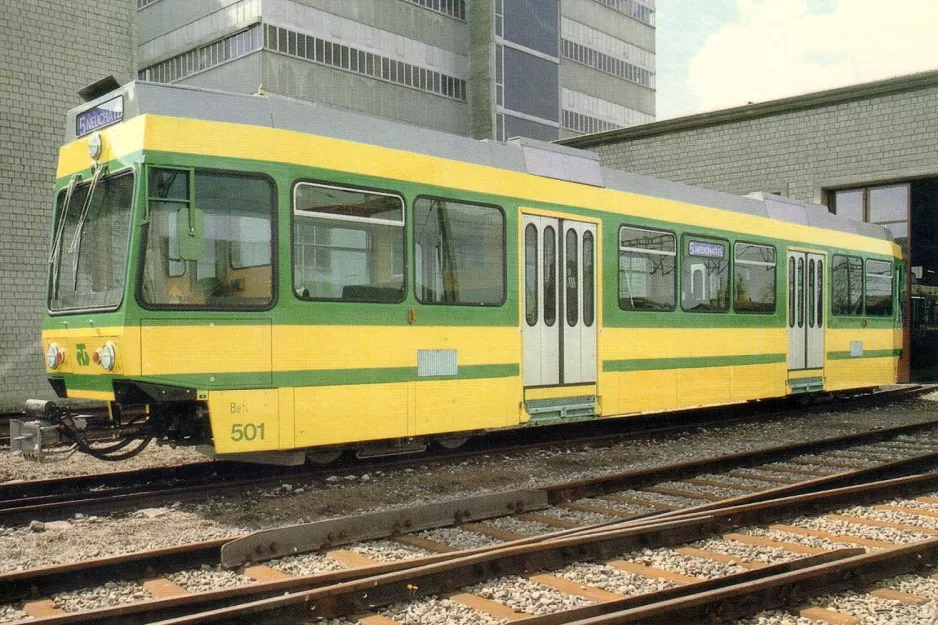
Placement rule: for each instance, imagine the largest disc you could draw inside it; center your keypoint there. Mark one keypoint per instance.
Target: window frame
(274, 238)
(504, 242)
(675, 255)
(735, 261)
(686, 240)
(892, 288)
(833, 299)
(328, 184)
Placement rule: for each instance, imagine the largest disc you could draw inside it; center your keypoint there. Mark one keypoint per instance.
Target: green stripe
(330, 377)
(870, 353)
(98, 383)
(650, 364)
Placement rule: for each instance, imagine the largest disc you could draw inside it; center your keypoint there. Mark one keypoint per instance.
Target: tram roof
(522, 155)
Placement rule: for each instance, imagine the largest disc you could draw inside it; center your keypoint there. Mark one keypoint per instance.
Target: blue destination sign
(710, 250)
(102, 115)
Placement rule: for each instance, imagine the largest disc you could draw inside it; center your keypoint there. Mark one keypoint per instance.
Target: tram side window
(646, 269)
(459, 253)
(705, 276)
(847, 285)
(208, 240)
(878, 288)
(754, 278)
(348, 244)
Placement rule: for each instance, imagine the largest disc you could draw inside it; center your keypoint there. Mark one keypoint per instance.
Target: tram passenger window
(754, 278)
(705, 278)
(348, 245)
(646, 269)
(459, 253)
(530, 275)
(228, 263)
(878, 288)
(847, 285)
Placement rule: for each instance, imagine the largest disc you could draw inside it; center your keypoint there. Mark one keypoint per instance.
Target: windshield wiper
(75, 247)
(60, 231)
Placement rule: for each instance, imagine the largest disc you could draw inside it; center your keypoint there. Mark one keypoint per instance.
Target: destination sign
(709, 250)
(104, 114)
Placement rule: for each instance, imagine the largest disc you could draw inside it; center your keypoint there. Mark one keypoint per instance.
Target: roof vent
(97, 89)
(561, 162)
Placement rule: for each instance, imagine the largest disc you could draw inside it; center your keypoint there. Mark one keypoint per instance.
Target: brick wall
(797, 152)
(49, 50)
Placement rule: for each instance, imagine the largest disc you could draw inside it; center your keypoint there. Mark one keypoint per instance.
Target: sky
(717, 54)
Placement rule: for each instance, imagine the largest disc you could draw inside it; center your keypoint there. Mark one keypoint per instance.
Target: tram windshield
(89, 249)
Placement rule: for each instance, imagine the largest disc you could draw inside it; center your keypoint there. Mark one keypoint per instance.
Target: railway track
(665, 497)
(108, 492)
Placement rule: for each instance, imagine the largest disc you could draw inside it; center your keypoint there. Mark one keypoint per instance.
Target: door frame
(561, 308)
(808, 254)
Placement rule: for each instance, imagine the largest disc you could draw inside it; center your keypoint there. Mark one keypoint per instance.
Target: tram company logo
(81, 355)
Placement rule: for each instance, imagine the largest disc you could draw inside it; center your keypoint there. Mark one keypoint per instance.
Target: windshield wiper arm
(75, 247)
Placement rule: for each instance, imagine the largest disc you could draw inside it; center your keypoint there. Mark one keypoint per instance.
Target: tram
(275, 281)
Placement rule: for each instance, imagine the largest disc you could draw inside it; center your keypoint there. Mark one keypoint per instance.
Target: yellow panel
(860, 372)
(758, 381)
(872, 339)
(366, 347)
(704, 386)
(287, 418)
(328, 415)
(209, 348)
(454, 405)
(244, 420)
(638, 391)
(634, 343)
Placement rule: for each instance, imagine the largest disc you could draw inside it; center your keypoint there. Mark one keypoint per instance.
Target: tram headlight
(55, 356)
(106, 356)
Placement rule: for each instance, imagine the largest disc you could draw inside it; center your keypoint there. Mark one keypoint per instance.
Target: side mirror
(190, 232)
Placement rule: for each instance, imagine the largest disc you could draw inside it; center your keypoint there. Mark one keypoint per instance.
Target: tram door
(806, 311)
(559, 298)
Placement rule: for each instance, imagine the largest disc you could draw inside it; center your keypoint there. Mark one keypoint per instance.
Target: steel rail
(368, 593)
(353, 591)
(269, 544)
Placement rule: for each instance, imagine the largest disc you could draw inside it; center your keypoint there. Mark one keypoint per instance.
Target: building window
(205, 57)
(452, 8)
(635, 10)
(886, 205)
(605, 63)
(646, 269)
(584, 124)
(459, 253)
(350, 59)
(348, 245)
(754, 278)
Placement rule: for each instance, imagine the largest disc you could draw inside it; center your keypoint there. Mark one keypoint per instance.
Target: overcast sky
(715, 54)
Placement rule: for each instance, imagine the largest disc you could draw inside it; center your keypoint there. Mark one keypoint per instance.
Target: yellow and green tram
(274, 280)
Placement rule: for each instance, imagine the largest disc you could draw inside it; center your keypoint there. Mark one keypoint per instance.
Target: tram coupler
(43, 430)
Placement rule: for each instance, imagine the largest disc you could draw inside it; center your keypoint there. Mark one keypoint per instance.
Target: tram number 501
(247, 432)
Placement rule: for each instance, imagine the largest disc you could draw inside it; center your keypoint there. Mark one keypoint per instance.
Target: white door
(559, 299)
(806, 310)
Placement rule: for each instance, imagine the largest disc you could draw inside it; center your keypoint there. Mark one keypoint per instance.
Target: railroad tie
(351, 559)
(261, 573)
(829, 616)
(768, 542)
(653, 573)
(837, 538)
(915, 511)
(42, 608)
(487, 606)
(905, 527)
(597, 595)
(722, 558)
(162, 588)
